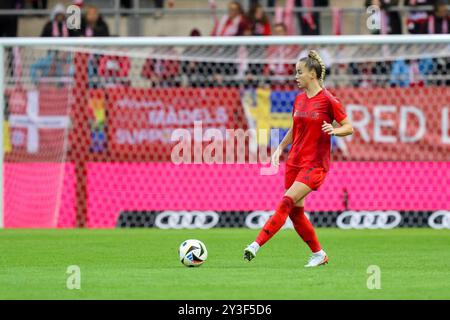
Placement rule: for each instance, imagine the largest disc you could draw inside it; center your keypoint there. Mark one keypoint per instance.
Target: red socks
(304, 228)
(301, 223)
(276, 221)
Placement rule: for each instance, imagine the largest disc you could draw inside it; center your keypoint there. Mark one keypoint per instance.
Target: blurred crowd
(161, 69)
(252, 20)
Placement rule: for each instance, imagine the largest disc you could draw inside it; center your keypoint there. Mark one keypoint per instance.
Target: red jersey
(310, 145)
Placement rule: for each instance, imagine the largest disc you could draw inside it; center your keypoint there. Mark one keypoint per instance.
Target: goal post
(224, 41)
(89, 127)
(2, 107)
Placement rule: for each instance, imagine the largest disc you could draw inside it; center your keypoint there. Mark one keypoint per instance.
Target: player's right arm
(284, 143)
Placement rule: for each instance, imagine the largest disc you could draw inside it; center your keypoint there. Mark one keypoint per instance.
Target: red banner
(136, 124)
(396, 124)
(141, 121)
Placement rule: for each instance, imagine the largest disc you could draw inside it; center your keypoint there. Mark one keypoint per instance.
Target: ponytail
(315, 56)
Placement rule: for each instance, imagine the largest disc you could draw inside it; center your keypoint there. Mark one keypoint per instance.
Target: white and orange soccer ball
(192, 253)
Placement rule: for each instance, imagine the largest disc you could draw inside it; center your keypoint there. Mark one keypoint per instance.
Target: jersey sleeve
(337, 109)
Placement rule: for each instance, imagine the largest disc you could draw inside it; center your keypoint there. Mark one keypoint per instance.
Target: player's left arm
(345, 128)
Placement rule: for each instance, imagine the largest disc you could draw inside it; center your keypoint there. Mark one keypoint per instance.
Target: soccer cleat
(249, 253)
(317, 259)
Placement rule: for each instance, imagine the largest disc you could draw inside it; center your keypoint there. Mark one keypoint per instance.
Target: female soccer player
(308, 162)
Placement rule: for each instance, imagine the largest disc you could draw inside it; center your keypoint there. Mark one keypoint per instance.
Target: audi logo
(439, 220)
(257, 219)
(368, 220)
(186, 220)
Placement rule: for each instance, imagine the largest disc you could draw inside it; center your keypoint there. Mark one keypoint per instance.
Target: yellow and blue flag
(268, 109)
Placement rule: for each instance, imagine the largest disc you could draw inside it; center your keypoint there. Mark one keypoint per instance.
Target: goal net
(177, 133)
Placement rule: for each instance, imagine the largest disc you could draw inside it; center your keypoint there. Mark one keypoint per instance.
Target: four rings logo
(257, 219)
(439, 220)
(186, 220)
(368, 220)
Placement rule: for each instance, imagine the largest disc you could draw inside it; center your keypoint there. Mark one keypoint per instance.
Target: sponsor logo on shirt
(306, 114)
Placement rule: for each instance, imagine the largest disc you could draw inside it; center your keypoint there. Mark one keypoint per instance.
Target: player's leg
(296, 192)
(303, 226)
(306, 231)
(314, 178)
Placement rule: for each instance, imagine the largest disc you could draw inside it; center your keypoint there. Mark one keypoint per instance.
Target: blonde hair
(314, 62)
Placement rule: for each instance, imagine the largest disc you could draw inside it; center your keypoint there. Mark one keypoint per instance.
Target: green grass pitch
(143, 264)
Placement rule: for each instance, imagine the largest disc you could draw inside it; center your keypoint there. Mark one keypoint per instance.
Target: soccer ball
(192, 253)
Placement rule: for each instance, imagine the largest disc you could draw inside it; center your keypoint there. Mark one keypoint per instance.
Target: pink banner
(113, 188)
(39, 195)
(35, 192)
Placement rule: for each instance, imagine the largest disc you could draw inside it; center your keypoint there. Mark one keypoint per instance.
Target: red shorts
(313, 177)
